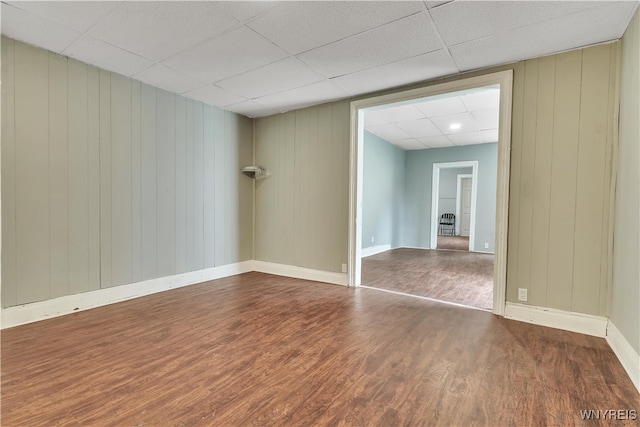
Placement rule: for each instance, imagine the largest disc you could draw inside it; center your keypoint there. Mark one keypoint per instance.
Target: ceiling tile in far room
(374, 118)
(490, 135)
(486, 119)
(408, 144)
(408, 37)
(106, 56)
(214, 95)
(388, 132)
(226, 56)
(168, 79)
(419, 128)
(455, 123)
(467, 138)
(442, 107)
(482, 99)
(276, 77)
(29, 28)
(436, 142)
(300, 26)
(413, 70)
(401, 113)
(160, 29)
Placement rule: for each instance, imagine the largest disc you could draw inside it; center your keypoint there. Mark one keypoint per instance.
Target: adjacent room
(233, 213)
(420, 160)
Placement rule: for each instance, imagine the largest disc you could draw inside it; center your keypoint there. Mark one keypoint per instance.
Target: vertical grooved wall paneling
(105, 180)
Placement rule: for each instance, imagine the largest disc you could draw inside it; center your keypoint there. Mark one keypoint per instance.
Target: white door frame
(435, 196)
(505, 80)
(459, 178)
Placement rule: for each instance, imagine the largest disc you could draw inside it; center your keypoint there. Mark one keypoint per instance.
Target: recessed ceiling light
(455, 126)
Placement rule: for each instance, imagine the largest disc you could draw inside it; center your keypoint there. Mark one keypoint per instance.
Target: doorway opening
(503, 81)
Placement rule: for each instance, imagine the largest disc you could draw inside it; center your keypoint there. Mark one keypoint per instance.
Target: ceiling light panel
(272, 78)
(416, 69)
(160, 29)
(300, 26)
(442, 107)
(398, 40)
(467, 124)
(231, 54)
(486, 119)
(215, 96)
(78, 15)
(31, 29)
(103, 55)
(461, 22)
(168, 79)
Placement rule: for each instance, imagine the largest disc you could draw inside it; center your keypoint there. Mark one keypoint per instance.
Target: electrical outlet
(486, 246)
(522, 294)
(344, 268)
(372, 239)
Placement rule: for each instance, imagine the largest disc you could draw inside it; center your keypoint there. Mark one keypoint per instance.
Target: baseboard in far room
(33, 312)
(301, 273)
(374, 250)
(567, 320)
(628, 356)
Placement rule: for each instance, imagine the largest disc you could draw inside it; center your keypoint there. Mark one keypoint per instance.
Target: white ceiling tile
(388, 132)
(301, 26)
(442, 107)
(419, 128)
(231, 54)
(490, 135)
(467, 138)
(277, 77)
(78, 15)
(555, 35)
(464, 21)
(408, 144)
(214, 95)
(160, 29)
(398, 40)
(463, 119)
(103, 55)
(29, 28)
(433, 4)
(482, 100)
(245, 10)
(168, 79)
(375, 117)
(251, 109)
(417, 69)
(401, 113)
(436, 142)
(304, 96)
(486, 119)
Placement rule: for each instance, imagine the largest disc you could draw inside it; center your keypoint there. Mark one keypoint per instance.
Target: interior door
(465, 210)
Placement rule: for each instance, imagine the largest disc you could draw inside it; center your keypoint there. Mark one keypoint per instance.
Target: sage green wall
(382, 192)
(417, 220)
(563, 123)
(107, 181)
(625, 307)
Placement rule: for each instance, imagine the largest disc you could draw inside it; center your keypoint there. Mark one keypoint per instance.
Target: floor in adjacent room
(453, 276)
(257, 349)
(453, 243)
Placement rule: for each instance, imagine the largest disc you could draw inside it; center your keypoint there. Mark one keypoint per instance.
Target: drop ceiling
(259, 58)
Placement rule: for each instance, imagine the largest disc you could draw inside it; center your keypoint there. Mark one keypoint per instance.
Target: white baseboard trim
(374, 250)
(301, 273)
(415, 247)
(629, 358)
(483, 252)
(559, 319)
(33, 312)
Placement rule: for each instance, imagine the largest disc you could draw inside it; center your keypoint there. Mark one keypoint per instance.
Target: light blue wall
(383, 192)
(449, 189)
(417, 206)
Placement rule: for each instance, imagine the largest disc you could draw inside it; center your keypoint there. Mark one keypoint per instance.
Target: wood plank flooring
(461, 277)
(454, 243)
(257, 349)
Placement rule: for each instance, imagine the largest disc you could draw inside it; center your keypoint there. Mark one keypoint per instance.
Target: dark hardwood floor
(454, 243)
(461, 277)
(257, 349)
